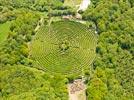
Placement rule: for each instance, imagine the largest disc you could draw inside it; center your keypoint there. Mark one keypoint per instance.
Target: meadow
(4, 29)
(72, 2)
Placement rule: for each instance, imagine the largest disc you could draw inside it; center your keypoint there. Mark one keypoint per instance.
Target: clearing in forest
(63, 47)
(4, 29)
(72, 2)
(77, 90)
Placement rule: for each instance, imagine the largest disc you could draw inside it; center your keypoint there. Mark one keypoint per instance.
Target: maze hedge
(64, 47)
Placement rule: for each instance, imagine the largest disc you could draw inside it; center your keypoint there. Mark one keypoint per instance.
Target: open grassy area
(64, 47)
(72, 2)
(4, 29)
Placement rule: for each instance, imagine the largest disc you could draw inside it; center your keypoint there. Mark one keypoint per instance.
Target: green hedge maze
(64, 47)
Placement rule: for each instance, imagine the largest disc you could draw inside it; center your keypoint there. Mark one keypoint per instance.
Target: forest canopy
(109, 77)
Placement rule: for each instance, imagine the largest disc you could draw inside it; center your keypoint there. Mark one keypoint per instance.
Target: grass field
(4, 29)
(72, 2)
(64, 47)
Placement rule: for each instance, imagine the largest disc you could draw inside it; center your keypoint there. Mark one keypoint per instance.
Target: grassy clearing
(4, 29)
(72, 3)
(64, 47)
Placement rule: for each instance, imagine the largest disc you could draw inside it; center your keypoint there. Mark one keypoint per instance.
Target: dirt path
(39, 24)
(77, 90)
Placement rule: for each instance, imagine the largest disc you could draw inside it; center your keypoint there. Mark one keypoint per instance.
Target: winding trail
(40, 23)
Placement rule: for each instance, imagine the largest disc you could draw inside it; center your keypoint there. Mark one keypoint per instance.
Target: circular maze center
(64, 46)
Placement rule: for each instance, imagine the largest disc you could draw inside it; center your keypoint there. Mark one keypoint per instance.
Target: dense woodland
(112, 74)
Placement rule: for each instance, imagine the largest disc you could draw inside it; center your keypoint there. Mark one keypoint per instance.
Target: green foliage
(72, 3)
(62, 12)
(115, 26)
(21, 82)
(15, 50)
(96, 89)
(4, 29)
(113, 69)
(48, 53)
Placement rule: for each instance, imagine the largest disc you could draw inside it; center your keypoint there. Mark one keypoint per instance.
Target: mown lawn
(4, 29)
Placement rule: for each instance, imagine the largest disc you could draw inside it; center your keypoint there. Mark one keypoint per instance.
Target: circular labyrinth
(64, 47)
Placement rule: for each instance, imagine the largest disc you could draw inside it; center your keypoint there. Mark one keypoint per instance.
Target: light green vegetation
(114, 64)
(4, 29)
(111, 77)
(23, 83)
(72, 2)
(64, 47)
